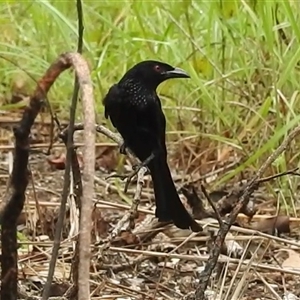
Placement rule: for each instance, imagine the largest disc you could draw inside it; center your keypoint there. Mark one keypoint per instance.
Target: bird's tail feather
(168, 204)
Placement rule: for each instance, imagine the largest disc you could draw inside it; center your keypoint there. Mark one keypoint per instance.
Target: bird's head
(152, 73)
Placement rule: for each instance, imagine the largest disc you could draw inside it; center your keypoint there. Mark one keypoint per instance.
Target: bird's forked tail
(168, 204)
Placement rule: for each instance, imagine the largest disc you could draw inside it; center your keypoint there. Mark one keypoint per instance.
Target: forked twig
(127, 221)
(289, 172)
(244, 194)
(118, 139)
(137, 196)
(140, 172)
(212, 204)
(135, 172)
(71, 158)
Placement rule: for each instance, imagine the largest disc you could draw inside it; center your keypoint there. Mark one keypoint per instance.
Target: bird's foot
(136, 168)
(128, 177)
(145, 162)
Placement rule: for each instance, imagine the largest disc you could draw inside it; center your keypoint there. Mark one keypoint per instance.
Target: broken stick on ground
(242, 200)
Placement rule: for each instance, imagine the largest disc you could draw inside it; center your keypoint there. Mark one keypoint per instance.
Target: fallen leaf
(279, 224)
(293, 261)
(58, 161)
(100, 225)
(107, 158)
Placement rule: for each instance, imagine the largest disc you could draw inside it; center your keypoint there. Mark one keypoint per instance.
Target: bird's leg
(136, 169)
(144, 163)
(123, 148)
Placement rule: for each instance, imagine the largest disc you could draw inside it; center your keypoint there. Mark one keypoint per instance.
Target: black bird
(134, 109)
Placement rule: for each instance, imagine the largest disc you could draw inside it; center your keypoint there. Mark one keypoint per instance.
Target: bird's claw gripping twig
(136, 168)
(128, 177)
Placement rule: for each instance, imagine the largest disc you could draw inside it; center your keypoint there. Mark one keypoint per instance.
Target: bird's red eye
(157, 68)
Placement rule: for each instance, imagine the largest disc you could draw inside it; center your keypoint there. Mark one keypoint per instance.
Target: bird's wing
(162, 122)
(110, 101)
(152, 123)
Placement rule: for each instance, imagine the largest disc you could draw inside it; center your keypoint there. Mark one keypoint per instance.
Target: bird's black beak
(176, 73)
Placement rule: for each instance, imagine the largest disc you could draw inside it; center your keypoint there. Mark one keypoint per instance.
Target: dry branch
(127, 220)
(71, 160)
(71, 164)
(14, 200)
(243, 198)
(83, 74)
(87, 178)
(113, 136)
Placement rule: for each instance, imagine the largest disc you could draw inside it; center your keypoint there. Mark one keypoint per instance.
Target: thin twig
(212, 204)
(289, 172)
(47, 103)
(244, 193)
(127, 221)
(137, 196)
(19, 180)
(113, 136)
(62, 210)
(69, 155)
(87, 178)
(118, 139)
(205, 258)
(77, 181)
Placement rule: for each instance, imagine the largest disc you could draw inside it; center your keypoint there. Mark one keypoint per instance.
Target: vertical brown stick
(14, 200)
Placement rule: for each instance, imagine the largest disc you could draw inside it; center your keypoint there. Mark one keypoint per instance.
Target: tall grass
(242, 56)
